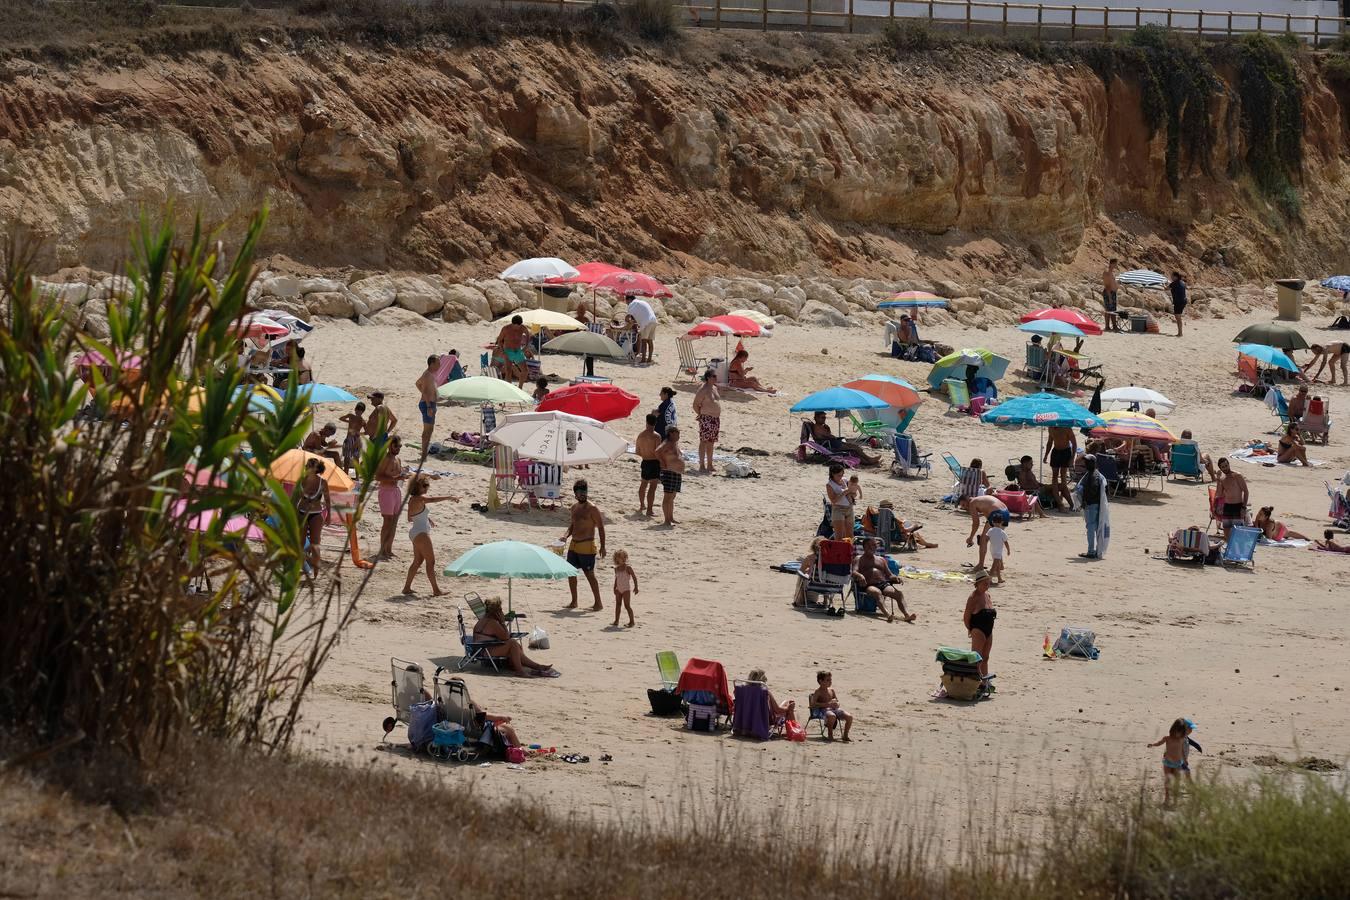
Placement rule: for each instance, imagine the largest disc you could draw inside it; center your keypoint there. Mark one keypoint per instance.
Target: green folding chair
(669, 667)
(872, 429)
(958, 393)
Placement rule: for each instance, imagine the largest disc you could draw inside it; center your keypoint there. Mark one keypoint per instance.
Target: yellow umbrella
(535, 319)
(290, 467)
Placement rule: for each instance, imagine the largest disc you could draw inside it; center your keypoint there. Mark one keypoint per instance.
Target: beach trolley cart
(703, 686)
(961, 673)
(407, 686)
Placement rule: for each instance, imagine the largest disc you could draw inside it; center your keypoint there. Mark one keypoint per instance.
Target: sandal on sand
(550, 672)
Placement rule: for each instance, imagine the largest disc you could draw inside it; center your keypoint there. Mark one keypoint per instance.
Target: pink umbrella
(257, 326)
(1068, 316)
(587, 273)
(125, 359)
(631, 284)
(237, 525)
(726, 326)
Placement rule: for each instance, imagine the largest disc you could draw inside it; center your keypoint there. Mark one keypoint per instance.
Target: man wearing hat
(708, 409)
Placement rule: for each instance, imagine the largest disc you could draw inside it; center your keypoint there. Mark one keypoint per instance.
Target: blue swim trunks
(428, 411)
(516, 356)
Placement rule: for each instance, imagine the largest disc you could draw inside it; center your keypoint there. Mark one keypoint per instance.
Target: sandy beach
(1253, 656)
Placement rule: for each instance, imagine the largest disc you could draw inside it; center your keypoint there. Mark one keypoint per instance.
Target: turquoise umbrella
(511, 560)
(1042, 411)
(1052, 326)
(1271, 356)
(838, 399)
(316, 392)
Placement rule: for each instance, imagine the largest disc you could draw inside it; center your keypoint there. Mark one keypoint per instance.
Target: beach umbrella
(953, 365)
(586, 343)
(725, 326)
(511, 560)
(587, 273)
(631, 284)
(535, 319)
(558, 438)
(1135, 426)
(260, 396)
(482, 389)
(896, 392)
(202, 521)
(1053, 326)
(1095, 404)
(1042, 411)
(838, 399)
(1271, 356)
(602, 402)
(1129, 396)
(1337, 283)
(540, 268)
(1272, 334)
(257, 326)
(763, 320)
(296, 327)
(1068, 316)
(913, 300)
(290, 467)
(126, 360)
(1144, 278)
(315, 392)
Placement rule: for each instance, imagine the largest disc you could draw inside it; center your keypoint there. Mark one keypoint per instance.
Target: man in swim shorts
(1110, 295)
(1060, 448)
(381, 421)
(1232, 490)
(581, 552)
(708, 410)
(426, 390)
(645, 446)
(672, 473)
(510, 344)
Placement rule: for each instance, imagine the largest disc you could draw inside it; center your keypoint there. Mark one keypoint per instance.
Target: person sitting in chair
(1204, 458)
(821, 434)
(873, 575)
(492, 627)
(778, 712)
(902, 533)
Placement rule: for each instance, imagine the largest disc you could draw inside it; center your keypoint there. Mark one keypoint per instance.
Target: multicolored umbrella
(1133, 425)
(1272, 334)
(1052, 326)
(257, 326)
(1042, 411)
(897, 392)
(763, 320)
(1144, 278)
(1068, 316)
(1268, 355)
(631, 284)
(838, 399)
(913, 300)
(953, 365)
(540, 268)
(602, 402)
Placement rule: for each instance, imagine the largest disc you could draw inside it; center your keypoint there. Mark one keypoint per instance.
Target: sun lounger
(1241, 546)
(810, 451)
(504, 473)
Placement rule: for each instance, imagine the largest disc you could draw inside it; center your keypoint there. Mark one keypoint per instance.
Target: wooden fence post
(967, 16)
(1199, 22)
(717, 15)
(1005, 20)
(1073, 23)
(808, 15)
(764, 15)
(1040, 15)
(1106, 23)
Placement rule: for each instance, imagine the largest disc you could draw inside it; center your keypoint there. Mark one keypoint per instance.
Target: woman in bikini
(313, 503)
(493, 627)
(420, 533)
(1291, 446)
(1273, 530)
(738, 375)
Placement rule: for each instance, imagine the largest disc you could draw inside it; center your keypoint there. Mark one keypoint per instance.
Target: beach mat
(1268, 459)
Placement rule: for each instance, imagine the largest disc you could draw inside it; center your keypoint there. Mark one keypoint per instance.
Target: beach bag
(701, 717)
(421, 721)
(794, 731)
(539, 639)
(664, 703)
(961, 687)
(926, 354)
(738, 469)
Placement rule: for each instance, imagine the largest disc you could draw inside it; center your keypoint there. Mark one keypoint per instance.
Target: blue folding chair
(475, 649)
(908, 460)
(1241, 546)
(957, 469)
(1185, 462)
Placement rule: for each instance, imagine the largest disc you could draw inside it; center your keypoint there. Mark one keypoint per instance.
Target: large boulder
(292, 307)
(397, 317)
(420, 295)
(114, 287)
(320, 285)
(704, 303)
(377, 292)
(468, 298)
(821, 292)
(279, 286)
(501, 299)
(817, 313)
(94, 319)
(786, 301)
(337, 304)
(71, 293)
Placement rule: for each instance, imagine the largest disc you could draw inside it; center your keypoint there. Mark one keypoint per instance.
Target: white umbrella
(559, 438)
(1145, 278)
(539, 269)
(765, 323)
(1128, 396)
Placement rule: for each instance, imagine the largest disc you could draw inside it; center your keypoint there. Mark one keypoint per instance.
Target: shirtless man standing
(708, 409)
(586, 522)
(426, 389)
(979, 509)
(1233, 493)
(1060, 447)
(1110, 295)
(381, 420)
(511, 341)
(645, 445)
(672, 473)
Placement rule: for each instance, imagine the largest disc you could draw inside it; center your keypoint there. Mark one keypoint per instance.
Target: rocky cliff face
(750, 152)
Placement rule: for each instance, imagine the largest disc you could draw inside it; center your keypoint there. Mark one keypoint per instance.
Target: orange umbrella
(290, 467)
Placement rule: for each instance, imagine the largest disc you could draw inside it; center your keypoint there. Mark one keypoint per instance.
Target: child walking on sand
(824, 699)
(625, 586)
(998, 544)
(1174, 756)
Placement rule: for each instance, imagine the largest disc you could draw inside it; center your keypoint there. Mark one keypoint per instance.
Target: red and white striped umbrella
(631, 284)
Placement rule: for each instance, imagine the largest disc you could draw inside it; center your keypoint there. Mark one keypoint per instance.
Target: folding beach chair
(668, 664)
(1340, 507)
(504, 473)
(1241, 546)
(873, 428)
(751, 716)
(690, 364)
(1110, 469)
(957, 469)
(703, 686)
(908, 460)
(1035, 364)
(479, 609)
(487, 416)
(831, 578)
(1316, 422)
(543, 482)
(406, 686)
(1279, 406)
(1184, 462)
(810, 451)
(665, 701)
(958, 394)
(1188, 545)
(475, 650)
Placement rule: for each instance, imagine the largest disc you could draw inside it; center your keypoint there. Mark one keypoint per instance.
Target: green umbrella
(481, 389)
(511, 560)
(1272, 334)
(586, 343)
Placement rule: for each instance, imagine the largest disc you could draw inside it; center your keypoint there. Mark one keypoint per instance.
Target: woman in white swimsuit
(420, 533)
(314, 505)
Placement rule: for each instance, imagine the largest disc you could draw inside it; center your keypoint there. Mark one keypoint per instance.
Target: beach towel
(1292, 543)
(918, 574)
(1262, 457)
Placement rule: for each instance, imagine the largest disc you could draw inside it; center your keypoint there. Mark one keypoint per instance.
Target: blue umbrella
(1271, 356)
(308, 393)
(1337, 283)
(837, 399)
(1052, 326)
(1042, 411)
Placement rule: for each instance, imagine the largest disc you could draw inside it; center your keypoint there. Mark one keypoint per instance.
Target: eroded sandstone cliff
(750, 152)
